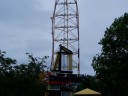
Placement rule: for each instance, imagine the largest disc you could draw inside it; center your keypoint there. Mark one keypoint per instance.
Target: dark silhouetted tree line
(21, 79)
(111, 65)
(88, 81)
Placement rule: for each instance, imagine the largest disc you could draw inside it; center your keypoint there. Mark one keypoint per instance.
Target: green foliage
(111, 65)
(88, 81)
(5, 63)
(21, 79)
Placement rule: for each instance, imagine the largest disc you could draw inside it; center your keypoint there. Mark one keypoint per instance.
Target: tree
(88, 81)
(5, 63)
(21, 79)
(111, 65)
(6, 72)
(27, 77)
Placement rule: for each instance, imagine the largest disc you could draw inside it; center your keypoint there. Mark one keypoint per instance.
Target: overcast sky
(25, 26)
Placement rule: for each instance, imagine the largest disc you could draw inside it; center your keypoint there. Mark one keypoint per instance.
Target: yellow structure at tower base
(87, 92)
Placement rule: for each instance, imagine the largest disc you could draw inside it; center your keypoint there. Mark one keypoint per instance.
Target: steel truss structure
(65, 32)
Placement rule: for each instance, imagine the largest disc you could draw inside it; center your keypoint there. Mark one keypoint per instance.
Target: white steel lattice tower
(65, 32)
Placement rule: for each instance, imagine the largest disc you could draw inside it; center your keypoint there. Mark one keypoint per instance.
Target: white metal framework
(65, 32)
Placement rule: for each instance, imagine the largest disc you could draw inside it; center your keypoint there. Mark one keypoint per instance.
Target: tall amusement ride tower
(65, 49)
(65, 36)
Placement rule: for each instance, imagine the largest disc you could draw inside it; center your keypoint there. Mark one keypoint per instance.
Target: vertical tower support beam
(65, 31)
